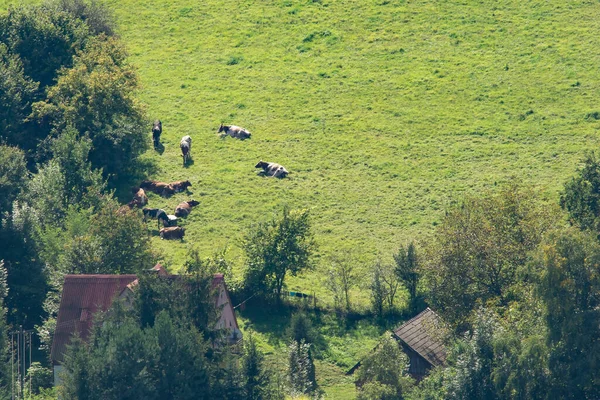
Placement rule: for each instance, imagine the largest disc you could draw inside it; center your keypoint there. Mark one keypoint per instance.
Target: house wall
(57, 371)
(227, 320)
(419, 367)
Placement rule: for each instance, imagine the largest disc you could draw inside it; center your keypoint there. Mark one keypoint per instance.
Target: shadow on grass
(126, 183)
(189, 163)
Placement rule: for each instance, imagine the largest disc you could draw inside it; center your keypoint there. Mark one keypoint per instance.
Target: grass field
(385, 111)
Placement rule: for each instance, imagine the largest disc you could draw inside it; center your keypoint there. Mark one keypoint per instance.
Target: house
(84, 295)
(420, 340)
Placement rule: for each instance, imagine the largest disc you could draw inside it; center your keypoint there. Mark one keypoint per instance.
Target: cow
(156, 131)
(272, 169)
(160, 188)
(139, 198)
(180, 186)
(185, 208)
(158, 213)
(173, 232)
(234, 131)
(186, 148)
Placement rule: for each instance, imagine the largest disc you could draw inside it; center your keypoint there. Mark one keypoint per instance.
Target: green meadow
(385, 112)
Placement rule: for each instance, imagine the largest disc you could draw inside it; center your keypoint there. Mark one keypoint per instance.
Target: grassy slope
(385, 112)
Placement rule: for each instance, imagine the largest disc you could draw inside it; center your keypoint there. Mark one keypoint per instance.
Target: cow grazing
(156, 131)
(272, 169)
(185, 208)
(186, 148)
(174, 232)
(234, 131)
(160, 188)
(180, 186)
(156, 213)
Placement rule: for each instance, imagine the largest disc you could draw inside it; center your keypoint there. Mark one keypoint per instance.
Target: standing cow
(234, 131)
(156, 213)
(186, 148)
(156, 131)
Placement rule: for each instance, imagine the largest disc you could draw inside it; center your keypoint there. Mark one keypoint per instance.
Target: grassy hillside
(384, 111)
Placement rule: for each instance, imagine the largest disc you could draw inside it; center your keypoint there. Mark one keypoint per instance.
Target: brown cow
(160, 188)
(139, 198)
(180, 186)
(173, 232)
(185, 208)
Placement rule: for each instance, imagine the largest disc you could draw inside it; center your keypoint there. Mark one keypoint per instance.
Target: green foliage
(581, 195)
(97, 16)
(189, 298)
(40, 377)
(96, 96)
(407, 271)
(479, 248)
(383, 373)
(13, 174)
(274, 249)
(570, 289)
(301, 329)
(301, 369)
(170, 360)
(44, 39)
(123, 239)
(255, 376)
(16, 95)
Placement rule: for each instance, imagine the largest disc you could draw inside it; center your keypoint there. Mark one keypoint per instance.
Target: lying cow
(139, 198)
(234, 131)
(272, 169)
(180, 186)
(185, 208)
(174, 232)
(186, 148)
(156, 213)
(160, 188)
(156, 131)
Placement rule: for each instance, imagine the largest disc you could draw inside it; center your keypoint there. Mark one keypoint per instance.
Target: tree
(581, 196)
(17, 92)
(570, 290)
(341, 278)
(274, 249)
(255, 377)
(383, 373)
(407, 271)
(301, 368)
(44, 38)
(96, 97)
(377, 291)
(13, 175)
(479, 248)
(97, 17)
(390, 285)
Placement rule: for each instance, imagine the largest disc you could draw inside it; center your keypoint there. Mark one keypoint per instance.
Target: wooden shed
(421, 340)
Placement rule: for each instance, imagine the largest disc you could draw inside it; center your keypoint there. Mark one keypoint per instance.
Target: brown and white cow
(234, 131)
(161, 188)
(186, 148)
(272, 169)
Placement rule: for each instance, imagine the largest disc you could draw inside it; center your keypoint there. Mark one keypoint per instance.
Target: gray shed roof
(419, 334)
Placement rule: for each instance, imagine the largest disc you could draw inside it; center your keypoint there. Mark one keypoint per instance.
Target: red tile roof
(419, 334)
(82, 296)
